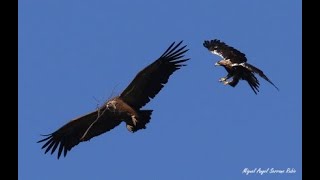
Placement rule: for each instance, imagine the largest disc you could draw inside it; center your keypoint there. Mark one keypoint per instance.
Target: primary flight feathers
(235, 63)
(126, 107)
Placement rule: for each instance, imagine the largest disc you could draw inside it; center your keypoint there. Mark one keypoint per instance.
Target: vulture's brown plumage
(125, 107)
(235, 63)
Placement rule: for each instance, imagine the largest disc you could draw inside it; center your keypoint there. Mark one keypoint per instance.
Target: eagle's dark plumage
(125, 107)
(235, 63)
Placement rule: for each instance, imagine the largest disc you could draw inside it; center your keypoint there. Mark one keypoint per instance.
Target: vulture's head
(112, 105)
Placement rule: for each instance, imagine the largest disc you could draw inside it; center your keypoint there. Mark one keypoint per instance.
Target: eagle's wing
(258, 71)
(152, 78)
(226, 52)
(80, 129)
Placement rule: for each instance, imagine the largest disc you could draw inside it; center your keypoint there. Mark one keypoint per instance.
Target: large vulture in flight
(235, 62)
(125, 107)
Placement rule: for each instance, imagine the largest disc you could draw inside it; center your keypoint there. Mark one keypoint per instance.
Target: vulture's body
(124, 108)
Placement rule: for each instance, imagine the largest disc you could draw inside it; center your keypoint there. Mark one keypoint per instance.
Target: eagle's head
(217, 63)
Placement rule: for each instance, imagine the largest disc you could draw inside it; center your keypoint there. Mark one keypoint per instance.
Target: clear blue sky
(75, 54)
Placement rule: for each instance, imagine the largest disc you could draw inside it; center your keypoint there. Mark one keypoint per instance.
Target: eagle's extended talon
(226, 82)
(222, 79)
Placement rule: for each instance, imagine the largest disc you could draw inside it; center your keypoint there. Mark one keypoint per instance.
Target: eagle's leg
(226, 82)
(134, 120)
(223, 79)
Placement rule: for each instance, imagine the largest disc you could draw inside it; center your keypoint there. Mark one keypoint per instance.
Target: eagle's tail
(258, 71)
(143, 119)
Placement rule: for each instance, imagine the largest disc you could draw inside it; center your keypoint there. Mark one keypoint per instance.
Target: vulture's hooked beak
(217, 64)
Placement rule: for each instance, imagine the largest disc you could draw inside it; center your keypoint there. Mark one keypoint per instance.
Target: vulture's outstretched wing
(80, 129)
(226, 52)
(148, 82)
(258, 71)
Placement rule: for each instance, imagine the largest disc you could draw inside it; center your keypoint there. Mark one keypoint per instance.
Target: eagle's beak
(217, 64)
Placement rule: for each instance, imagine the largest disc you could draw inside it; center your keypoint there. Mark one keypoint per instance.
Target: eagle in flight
(125, 107)
(235, 62)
